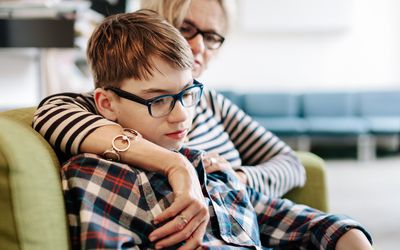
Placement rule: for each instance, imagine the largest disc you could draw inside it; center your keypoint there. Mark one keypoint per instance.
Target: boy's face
(168, 131)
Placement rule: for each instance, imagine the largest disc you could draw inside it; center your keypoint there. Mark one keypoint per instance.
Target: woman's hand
(188, 213)
(213, 162)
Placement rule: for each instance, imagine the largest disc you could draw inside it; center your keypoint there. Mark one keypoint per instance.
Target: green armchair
(31, 199)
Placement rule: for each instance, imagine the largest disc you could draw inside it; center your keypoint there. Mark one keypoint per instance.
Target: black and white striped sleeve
(65, 120)
(269, 163)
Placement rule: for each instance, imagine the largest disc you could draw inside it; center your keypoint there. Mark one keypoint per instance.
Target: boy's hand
(188, 213)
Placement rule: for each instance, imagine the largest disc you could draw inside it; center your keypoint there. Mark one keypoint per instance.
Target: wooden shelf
(36, 32)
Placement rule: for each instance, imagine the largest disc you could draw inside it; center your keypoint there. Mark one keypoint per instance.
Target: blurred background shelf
(37, 32)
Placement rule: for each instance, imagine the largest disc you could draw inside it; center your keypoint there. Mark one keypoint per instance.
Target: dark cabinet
(37, 32)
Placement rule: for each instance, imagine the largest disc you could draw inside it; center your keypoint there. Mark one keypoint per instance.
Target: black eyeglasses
(212, 40)
(163, 105)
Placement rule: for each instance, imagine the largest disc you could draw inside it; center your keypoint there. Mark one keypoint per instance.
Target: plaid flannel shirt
(111, 206)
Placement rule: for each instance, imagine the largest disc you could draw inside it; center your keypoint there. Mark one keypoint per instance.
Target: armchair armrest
(314, 192)
(31, 198)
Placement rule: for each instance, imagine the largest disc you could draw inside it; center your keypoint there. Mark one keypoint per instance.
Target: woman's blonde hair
(174, 11)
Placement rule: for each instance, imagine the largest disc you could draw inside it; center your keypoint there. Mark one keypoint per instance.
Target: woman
(71, 124)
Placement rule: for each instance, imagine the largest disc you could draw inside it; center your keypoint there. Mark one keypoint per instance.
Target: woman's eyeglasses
(163, 105)
(212, 40)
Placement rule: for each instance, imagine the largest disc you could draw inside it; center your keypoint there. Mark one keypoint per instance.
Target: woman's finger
(183, 228)
(241, 176)
(209, 159)
(176, 207)
(180, 221)
(216, 163)
(195, 241)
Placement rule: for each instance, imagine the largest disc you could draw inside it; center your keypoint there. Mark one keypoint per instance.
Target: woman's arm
(71, 124)
(270, 166)
(65, 120)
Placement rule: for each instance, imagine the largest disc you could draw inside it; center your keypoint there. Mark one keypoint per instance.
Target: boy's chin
(175, 146)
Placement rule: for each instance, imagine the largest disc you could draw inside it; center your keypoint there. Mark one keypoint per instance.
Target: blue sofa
(381, 111)
(361, 117)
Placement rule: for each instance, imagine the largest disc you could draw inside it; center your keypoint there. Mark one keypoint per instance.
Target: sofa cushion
(287, 126)
(329, 104)
(382, 125)
(31, 196)
(351, 126)
(384, 103)
(271, 104)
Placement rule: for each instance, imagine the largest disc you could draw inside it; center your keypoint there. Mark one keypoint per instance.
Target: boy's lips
(177, 135)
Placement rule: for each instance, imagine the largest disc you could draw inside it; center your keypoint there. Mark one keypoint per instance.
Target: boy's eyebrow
(155, 90)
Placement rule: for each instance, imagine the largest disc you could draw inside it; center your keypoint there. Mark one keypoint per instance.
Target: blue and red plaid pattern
(111, 206)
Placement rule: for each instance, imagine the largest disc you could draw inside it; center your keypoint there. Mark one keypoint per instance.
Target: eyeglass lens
(164, 105)
(211, 40)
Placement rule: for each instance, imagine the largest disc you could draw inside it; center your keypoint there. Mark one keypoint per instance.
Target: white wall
(363, 55)
(21, 85)
(19, 77)
(366, 55)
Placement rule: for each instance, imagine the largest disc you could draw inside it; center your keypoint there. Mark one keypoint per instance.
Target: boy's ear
(104, 101)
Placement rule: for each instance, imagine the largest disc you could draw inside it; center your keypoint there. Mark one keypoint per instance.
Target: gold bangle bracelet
(113, 153)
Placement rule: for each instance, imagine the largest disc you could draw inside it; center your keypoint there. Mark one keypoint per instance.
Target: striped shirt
(219, 126)
(112, 205)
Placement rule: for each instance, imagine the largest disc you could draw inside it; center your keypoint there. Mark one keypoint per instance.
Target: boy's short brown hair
(124, 45)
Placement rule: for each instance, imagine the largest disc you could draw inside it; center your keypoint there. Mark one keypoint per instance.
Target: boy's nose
(179, 113)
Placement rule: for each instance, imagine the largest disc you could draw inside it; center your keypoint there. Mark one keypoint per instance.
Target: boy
(142, 72)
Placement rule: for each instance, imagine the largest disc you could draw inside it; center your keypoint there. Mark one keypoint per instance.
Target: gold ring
(212, 161)
(183, 218)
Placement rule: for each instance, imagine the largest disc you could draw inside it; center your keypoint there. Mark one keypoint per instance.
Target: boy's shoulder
(193, 155)
(92, 160)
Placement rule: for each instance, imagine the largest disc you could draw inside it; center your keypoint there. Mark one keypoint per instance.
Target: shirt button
(147, 189)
